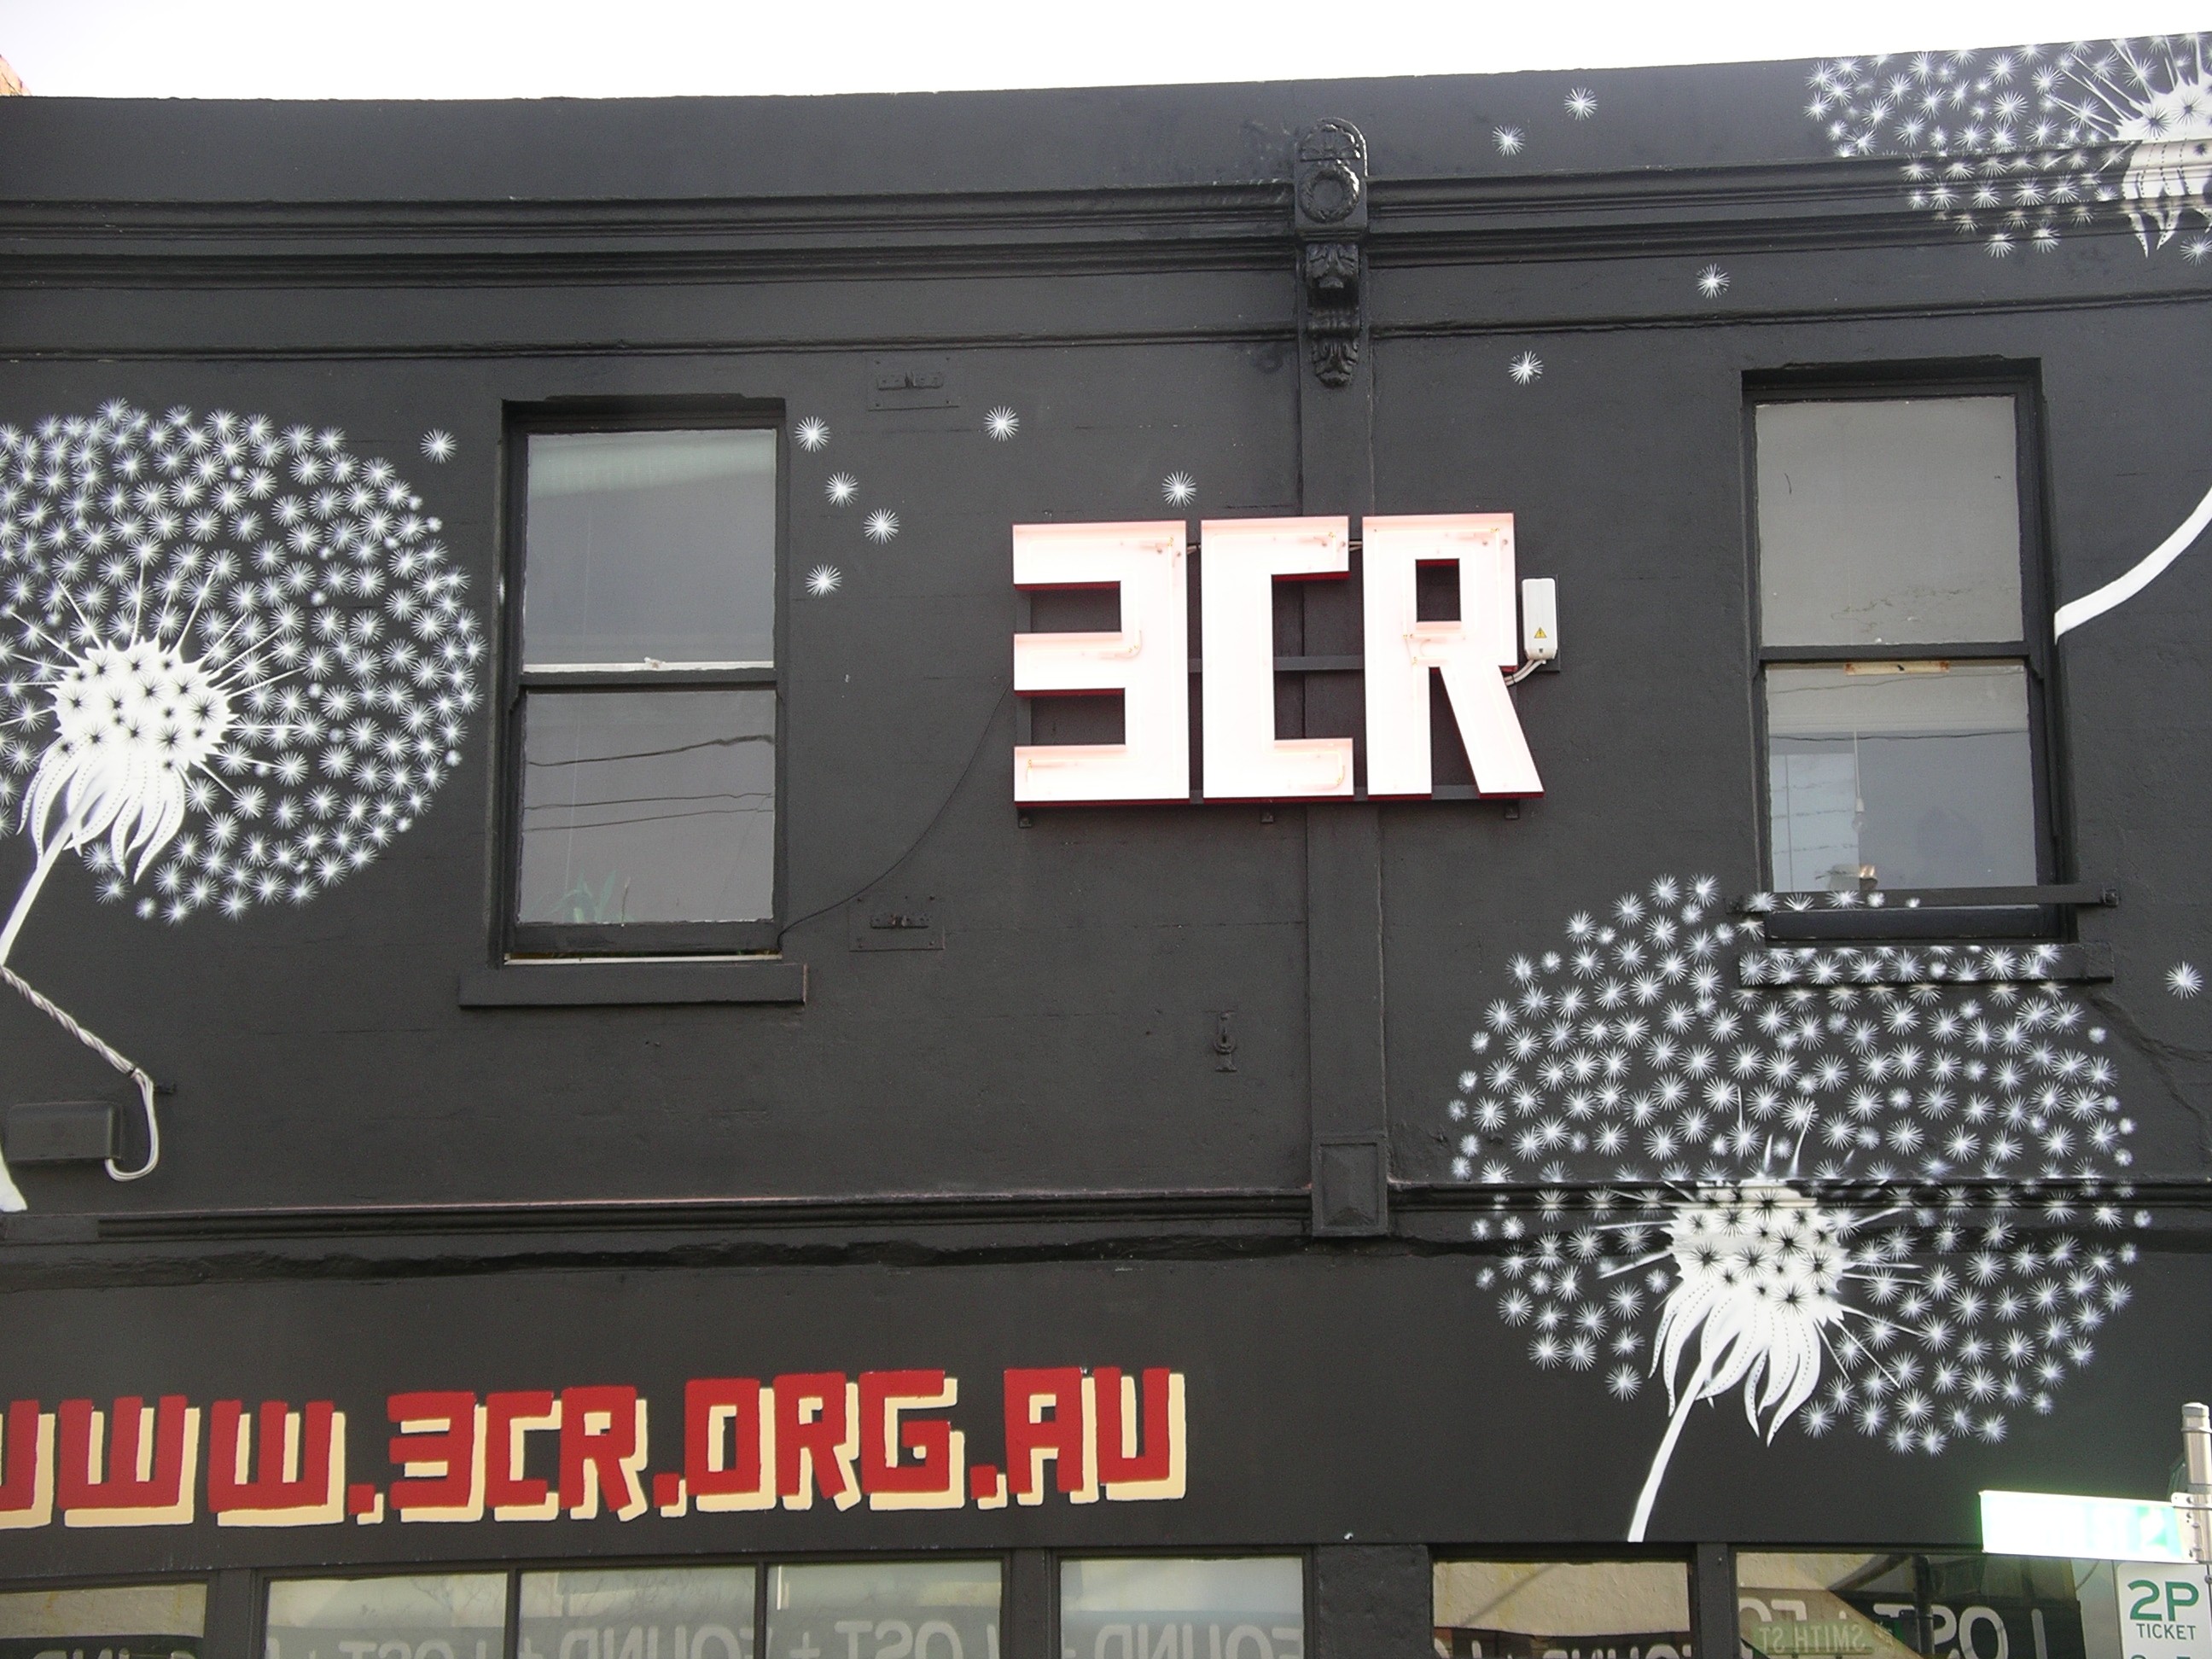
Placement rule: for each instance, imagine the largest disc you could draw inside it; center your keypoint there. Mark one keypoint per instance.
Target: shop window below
(677, 1612)
(1529, 1609)
(913, 1609)
(434, 1616)
(152, 1621)
(1886, 1606)
(1182, 1607)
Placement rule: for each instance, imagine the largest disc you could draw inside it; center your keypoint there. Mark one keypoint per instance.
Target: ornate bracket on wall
(1329, 188)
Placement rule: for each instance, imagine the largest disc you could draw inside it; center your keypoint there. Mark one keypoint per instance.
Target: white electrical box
(1540, 619)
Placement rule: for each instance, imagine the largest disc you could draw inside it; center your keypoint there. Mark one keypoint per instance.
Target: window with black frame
(644, 701)
(1895, 648)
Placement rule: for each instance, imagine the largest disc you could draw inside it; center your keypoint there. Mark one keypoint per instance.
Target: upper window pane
(1130, 1608)
(650, 546)
(438, 1616)
(944, 1609)
(147, 1620)
(707, 1612)
(1526, 1610)
(1889, 522)
(1908, 774)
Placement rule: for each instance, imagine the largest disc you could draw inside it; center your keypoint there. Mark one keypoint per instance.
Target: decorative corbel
(1329, 193)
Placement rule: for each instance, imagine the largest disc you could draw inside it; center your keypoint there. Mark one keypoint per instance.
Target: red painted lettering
(26, 1466)
(603, 1450)
(816, 1439)
(1048, 1414)
(1135, 1465)
(509, 1420)
(302, 1482)
(440, 1447)
(724, 1465)
(932, 1479)
(146, 1477)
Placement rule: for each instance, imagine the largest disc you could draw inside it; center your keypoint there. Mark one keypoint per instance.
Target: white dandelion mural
(1881, 1191)
(2020, 144)
(235, 663)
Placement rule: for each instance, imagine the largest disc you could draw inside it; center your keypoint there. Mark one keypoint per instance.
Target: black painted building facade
(509, 705)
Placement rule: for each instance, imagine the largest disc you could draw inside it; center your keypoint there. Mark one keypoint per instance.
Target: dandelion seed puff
(1707, 1172)
(134, 716)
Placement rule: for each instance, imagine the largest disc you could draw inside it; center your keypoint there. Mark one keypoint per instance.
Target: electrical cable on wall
(990, 722)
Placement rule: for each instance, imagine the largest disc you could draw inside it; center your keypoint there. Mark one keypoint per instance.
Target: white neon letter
(1401, 649)
(1148, 661)
(1244, 758)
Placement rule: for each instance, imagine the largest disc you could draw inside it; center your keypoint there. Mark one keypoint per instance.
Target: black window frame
(2035, 649)
(523, 941)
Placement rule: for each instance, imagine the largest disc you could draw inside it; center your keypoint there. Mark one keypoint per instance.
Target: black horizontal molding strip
(613, 982)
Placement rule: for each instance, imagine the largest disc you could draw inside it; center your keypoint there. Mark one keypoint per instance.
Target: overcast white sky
(642, 48)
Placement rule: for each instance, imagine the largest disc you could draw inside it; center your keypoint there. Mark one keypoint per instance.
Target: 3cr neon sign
(1147, 660)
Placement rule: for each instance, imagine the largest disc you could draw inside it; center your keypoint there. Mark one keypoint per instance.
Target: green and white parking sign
(2162, 1610)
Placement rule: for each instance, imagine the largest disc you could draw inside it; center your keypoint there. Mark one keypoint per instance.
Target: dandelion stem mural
(234, 663)
(1882, 1189)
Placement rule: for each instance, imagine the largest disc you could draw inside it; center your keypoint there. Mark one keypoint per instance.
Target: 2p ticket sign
(2162, 1610)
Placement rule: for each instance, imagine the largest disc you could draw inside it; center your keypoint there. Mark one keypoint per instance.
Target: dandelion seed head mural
(235, 662)
(1899, 1210)
(2019, 145)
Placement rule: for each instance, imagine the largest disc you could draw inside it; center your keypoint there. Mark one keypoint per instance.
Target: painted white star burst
(823, 580)
(1509, 140)
(2184, 980)
(811, 433)
(883, 524)
(2029, 139)
(437, 444)
(1582, 104)
(841, 487)
(1525, 368)
(1712, 281)
(1002, 423)
(1178, 488)
(1888, 1208)
(2198, 250)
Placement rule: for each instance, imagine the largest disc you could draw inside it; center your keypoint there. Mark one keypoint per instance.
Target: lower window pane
(152, 1621)
(1908, 774)
(648, 806)
(1170, 1608)
(648, 1613)
(1530, 1609)
(884, 1610)
(1928, 1606)
(441, 1616)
